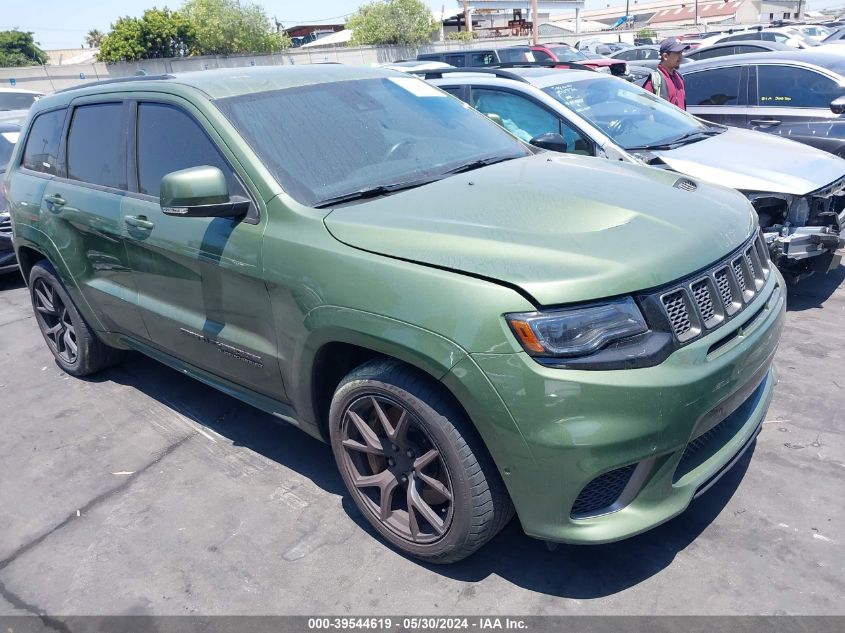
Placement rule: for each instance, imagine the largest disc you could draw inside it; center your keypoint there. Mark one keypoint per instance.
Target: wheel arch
(342, 339)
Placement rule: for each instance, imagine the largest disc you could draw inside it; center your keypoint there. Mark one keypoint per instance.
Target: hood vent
(685, 184)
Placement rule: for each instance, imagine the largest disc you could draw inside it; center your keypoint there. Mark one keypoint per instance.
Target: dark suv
(9, 132)
(481, 57)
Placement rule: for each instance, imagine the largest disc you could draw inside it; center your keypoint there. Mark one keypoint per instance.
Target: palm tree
(94, 38)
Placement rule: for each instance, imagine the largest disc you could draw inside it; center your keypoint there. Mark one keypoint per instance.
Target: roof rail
(542, 64)
(484, 70)
(117, 80)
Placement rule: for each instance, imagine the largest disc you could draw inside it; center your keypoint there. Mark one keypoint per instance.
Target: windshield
(16, 100)
(629, 115)
(328, 140)
(566, 54)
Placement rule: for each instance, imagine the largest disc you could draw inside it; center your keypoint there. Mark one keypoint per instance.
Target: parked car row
(477, 326)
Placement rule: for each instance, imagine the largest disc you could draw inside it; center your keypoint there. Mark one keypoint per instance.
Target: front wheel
(414, 465)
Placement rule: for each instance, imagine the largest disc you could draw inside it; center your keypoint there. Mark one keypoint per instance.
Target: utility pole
(696, 12)
(535, 23)
(467, 25)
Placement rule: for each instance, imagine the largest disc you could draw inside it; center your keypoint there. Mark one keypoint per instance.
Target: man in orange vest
(666, 81)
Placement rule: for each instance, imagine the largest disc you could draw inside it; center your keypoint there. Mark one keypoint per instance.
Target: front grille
(5, 225)
(703, 300)
(740, 277)
(602, 492)
(724, 283)
(708, 300)
(678, 314)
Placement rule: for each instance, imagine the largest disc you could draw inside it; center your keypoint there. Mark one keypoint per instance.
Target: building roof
(335, 39)
(709, 10)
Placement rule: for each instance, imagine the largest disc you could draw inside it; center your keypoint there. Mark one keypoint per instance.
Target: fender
(28, 236)
(421, 348)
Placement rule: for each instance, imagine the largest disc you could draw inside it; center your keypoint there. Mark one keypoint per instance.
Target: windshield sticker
(417, 87)
(12, 137)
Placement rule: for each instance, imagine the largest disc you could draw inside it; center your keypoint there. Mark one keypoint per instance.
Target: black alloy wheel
(76, 347)
(55, 321)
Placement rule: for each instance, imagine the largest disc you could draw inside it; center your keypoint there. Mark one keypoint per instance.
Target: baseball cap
(672, 45)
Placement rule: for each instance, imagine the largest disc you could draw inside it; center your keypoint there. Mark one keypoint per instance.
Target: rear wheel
(74, 344)
(414, 465)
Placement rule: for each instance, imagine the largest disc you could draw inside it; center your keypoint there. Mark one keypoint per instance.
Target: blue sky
(63, 23)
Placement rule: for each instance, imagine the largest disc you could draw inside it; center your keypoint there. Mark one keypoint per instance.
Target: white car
(17, 99)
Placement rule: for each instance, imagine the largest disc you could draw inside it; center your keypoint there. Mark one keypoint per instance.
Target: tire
(423, 454)
(73, 343)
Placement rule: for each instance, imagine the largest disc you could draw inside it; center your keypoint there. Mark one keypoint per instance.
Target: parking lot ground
(142, 491)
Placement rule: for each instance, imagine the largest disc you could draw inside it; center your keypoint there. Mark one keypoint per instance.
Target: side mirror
(837, 106)
(550, 140)
(495, 118)
(199, 192)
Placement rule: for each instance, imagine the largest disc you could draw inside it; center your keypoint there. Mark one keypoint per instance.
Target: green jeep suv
(476, 327)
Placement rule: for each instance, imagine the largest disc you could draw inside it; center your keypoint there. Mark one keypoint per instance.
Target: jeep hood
(756, 161)
(562, 228)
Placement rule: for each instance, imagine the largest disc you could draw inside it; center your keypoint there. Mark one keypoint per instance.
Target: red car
(565, 53)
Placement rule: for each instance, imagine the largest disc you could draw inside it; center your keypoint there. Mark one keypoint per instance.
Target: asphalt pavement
(143, 492)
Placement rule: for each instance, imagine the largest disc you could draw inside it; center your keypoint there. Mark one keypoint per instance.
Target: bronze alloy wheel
(398, 473)
(55, 321)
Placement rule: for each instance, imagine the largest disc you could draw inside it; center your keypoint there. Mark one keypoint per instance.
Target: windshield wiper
(372, 192)
(477, 164)
(684, 139)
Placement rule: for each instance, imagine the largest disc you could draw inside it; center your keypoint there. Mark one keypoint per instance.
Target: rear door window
(482, 59)
(714, 87)
(792, 87)
(42, 145)
(96, 145)
(169, 140)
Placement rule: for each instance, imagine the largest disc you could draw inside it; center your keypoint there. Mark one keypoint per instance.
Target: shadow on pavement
(813, 291)
(581, 572)
(241, 423)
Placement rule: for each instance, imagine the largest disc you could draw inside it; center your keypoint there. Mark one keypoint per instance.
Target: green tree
(94, 38)
(462, 36)
(17, 48)
(404, 22)
(227, 27)
(159, 33)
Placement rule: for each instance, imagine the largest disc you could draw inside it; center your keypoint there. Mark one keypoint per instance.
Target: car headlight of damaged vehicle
(578, 331)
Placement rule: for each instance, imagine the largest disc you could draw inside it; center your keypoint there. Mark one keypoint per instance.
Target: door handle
(138, 222)
(55, 200)
(767, 122)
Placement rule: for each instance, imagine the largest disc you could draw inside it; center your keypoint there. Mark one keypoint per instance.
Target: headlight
(577, 331)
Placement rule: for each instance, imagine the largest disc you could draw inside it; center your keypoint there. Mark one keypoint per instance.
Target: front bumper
(575, 426)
